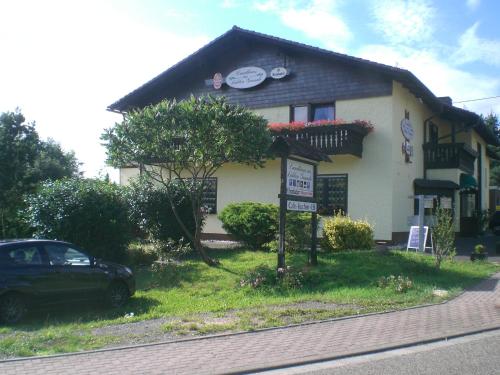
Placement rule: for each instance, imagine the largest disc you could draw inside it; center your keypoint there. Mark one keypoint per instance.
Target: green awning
(467, 182)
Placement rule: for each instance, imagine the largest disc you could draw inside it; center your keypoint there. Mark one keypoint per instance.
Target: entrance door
(468, 220)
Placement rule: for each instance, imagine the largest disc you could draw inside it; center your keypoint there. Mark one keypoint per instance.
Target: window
(209, 198)
(433, 133)
(300, 113)
(331, 193)
(322, 112)
(60, 255)
(313, 112)
(25, 256)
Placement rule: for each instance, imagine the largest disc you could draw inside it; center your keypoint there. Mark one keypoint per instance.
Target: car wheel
(117, 295)
(12, 308)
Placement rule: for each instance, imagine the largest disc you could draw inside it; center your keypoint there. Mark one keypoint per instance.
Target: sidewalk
(478, 309)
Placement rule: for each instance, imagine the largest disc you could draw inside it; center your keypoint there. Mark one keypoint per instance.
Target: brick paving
(475, 310)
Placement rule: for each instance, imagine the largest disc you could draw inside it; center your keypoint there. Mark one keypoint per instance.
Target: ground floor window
(331, 190)
(209, 198)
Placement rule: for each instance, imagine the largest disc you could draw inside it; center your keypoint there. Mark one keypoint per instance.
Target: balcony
(340, 139)
(449, 155)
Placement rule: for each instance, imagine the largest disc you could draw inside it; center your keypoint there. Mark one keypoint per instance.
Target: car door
(26, 270)
(74, 276)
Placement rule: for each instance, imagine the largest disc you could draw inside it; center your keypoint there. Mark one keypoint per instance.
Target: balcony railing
(331, 139)
(449, 155)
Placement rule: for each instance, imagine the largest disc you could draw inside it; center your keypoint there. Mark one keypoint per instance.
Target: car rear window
(27, 255)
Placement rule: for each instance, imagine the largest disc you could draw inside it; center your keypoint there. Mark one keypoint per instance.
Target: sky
(63, 62)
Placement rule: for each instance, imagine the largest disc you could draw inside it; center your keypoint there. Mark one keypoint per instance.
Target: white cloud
(403, 22)
(73, 61)
(439, 76)
(318, 19)
(473, 48)
(473, 4)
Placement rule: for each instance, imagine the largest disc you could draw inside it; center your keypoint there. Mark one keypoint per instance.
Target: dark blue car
(43, 272)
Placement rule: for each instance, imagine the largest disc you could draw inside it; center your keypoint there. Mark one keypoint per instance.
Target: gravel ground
(149, 331)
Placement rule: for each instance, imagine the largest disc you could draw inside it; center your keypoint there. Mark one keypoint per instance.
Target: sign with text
(244, 78)
(301, 206)
(413, 237)
(299, 179)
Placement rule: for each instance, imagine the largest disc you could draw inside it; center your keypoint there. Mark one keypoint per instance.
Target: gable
(311, 79)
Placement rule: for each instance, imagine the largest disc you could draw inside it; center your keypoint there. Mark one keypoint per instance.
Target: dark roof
(435, 184)
(236, 33)
(287, 146)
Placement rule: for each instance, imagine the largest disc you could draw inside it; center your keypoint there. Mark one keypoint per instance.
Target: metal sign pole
(281, 248)
(313, 258)
(421, 209)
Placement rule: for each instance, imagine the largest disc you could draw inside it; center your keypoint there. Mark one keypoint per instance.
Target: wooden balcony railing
(449, 155)
(331, 139)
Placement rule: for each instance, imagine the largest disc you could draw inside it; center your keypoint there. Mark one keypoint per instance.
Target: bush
(250, 222)
(298, 231)
(151, 211)
(265, 276)
(90, 213)
(343, 233)
(257, 224)
(443, 235)
(141, 254)
(400, 284)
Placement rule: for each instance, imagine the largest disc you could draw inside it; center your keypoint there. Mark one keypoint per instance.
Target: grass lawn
(192, 298)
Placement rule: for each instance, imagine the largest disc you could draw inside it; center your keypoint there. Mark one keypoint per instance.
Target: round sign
(407, 129)
(278, 73)
(244, 78)
(217, 81)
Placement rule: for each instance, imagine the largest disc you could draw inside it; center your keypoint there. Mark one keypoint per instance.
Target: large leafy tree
(25, 161)
(188, 141)
(493, 123)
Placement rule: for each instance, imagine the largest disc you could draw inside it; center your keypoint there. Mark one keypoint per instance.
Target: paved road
(478, 309)
(471, 355)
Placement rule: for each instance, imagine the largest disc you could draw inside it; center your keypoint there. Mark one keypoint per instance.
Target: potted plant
(479, 253)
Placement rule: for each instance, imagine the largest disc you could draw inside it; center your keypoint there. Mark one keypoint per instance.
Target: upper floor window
(313, 112)
(322, 112)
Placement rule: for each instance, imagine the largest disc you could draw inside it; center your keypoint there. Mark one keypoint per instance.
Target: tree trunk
(199, 247)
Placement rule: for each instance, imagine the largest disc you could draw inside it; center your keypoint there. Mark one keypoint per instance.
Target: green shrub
(250, 222)
(141, 254)
(443, 235)
(400, 284)
(257, 224)
(90, 213)
(265, 276)
(343, 233)
(298, 231)
(150, 209)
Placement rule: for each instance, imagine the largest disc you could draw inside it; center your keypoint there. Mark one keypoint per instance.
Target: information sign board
(301, 206)
(299, 179)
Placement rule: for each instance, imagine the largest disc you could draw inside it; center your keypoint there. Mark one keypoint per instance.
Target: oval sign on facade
(244, 78)
(217, 81)
(278, 73)
(407, 129)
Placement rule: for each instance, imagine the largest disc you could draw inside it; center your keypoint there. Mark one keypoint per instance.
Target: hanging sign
(407, 129)
(278, 73)
(299, 179)
(244, 78)
(217, 81)
(301, 206)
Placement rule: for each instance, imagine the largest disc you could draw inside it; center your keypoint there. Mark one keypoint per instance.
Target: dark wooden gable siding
(312, 79)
